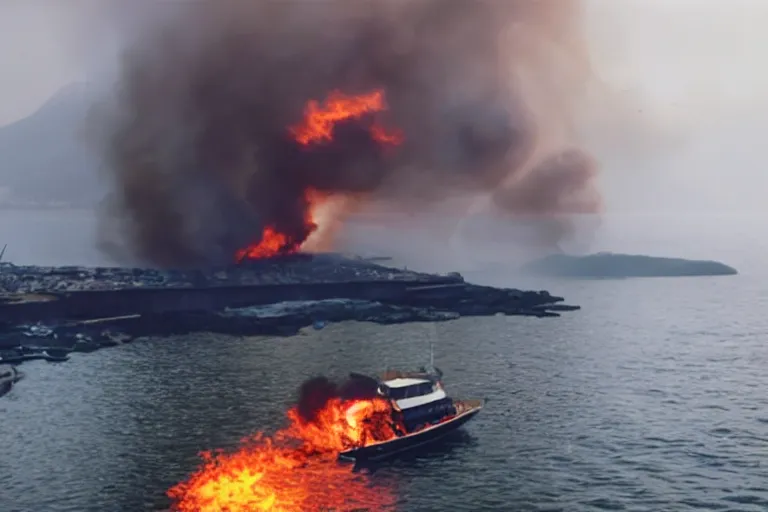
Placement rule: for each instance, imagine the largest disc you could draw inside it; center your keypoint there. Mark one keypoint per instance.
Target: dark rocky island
(47, 312)
(615, 266)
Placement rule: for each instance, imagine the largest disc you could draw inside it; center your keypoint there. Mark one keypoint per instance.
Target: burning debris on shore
(315, 133)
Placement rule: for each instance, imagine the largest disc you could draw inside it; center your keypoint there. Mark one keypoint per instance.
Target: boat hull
(414, 440)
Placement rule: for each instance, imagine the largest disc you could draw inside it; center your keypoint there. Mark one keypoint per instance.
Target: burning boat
(361, 419)
(421, 412)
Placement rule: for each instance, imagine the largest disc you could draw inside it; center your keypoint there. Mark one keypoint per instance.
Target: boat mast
(431, 352)
(432, 336)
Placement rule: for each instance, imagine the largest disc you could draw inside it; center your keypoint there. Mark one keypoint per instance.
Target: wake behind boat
(422, 413)
(8, 376)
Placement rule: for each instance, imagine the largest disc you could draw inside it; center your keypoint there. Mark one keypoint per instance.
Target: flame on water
(295, 470)
(316, 128)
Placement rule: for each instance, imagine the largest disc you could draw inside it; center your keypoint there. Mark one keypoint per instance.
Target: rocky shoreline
(49, 312)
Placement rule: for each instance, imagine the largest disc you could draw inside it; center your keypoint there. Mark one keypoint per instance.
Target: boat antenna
(432, 368)
(431, 352)
(2, 253)
(432, 335)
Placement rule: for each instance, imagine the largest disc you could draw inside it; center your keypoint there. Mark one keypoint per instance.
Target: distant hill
(43, 157)
(610, 265)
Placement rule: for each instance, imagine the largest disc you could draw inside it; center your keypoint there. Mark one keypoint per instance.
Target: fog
(691, 70)
(675, 122)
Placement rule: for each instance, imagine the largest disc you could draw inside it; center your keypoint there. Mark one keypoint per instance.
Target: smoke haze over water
(196, 136)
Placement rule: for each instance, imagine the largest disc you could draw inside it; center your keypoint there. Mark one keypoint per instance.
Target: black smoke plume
(197, 142)
(316, 392)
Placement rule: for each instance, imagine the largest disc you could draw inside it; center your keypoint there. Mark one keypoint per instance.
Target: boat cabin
(422, 412)
(421, 401)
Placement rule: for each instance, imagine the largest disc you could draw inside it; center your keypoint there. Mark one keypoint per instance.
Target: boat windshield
(411, 391)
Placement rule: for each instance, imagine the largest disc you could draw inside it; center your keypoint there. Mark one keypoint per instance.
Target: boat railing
(399, 374)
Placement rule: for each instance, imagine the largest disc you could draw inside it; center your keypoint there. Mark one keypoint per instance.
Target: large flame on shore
(295, 470)
(317, 128)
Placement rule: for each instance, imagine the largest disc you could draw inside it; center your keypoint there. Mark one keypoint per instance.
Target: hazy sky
(695, 67)
(687, 51)
(33, 60)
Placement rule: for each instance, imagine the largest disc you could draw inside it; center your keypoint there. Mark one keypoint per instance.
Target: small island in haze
(609, 265)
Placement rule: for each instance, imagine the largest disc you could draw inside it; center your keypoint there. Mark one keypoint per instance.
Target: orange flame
(272, 243)
(295, 470)
(316, 127)
(275, 243)
(342, 425)
(319, 122)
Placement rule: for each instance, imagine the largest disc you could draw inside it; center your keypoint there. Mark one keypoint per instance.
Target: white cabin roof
(403, 382)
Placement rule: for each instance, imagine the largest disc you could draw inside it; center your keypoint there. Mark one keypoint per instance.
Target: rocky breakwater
(48, 312)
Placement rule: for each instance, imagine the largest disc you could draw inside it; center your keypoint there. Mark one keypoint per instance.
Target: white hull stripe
(407, 403)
